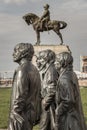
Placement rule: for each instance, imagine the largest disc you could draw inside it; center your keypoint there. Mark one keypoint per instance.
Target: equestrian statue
(44, 23)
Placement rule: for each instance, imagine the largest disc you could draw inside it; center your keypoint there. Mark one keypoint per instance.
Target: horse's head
(30, 18)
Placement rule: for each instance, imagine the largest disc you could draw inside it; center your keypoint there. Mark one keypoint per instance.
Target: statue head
(23, 50)
(63, 60)
(45, 57)
(46, 6)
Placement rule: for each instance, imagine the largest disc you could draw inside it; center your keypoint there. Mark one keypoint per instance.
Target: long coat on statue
(69, 113)
(49, 77)
(25, 99)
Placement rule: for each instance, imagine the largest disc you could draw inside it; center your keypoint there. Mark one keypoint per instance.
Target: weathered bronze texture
(69, 113)
(44, 23)
(49, 76)
(25, 99)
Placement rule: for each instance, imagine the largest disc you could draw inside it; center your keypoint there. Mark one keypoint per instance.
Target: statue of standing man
(69, 113)
(25, 99)
(49, 77)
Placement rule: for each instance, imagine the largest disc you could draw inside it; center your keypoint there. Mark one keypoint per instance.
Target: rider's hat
(46, 6)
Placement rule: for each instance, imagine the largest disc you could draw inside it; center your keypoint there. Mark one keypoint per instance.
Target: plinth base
(56, 48)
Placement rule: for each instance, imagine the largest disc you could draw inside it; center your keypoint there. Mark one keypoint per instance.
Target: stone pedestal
(56, 48)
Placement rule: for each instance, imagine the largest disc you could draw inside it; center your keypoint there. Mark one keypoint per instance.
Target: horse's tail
(62, 24)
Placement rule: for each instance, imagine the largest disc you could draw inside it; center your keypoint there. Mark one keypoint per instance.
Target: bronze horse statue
(54, 25)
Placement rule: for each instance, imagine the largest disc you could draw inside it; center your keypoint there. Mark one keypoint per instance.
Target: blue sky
(13, 28)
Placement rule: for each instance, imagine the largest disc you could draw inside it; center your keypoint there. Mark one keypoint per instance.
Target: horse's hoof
(61, 43)
(37, 43)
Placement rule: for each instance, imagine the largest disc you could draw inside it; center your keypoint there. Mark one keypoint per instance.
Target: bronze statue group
(48, 96)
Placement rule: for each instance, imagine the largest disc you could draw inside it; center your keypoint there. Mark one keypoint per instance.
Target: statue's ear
(24, 54)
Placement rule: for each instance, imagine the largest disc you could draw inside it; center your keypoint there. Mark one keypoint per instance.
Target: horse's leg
(59, 34)
(61, 38)
(38, 38)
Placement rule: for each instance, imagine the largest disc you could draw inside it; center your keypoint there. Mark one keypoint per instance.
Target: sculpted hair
(66, 59)
(26, 50)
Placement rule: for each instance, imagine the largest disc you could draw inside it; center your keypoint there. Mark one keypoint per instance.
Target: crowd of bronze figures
(47, 95)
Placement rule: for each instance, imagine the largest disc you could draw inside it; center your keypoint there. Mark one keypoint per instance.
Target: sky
(14, 30)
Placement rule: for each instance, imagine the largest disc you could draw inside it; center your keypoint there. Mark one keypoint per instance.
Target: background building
(6, 78)
(83, 64)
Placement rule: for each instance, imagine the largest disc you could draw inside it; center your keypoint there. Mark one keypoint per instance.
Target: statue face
(41, 62)
(45, 57)
(57, 63)
(38, 63)
(16, 54)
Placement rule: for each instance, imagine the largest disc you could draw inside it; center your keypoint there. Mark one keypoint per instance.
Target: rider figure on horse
(45, 17)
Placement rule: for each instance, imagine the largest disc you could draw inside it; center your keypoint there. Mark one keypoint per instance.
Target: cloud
(75, 4)
(13, 28)
(8, 23)
(19, 1)
(14, 1)
(35, 0)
